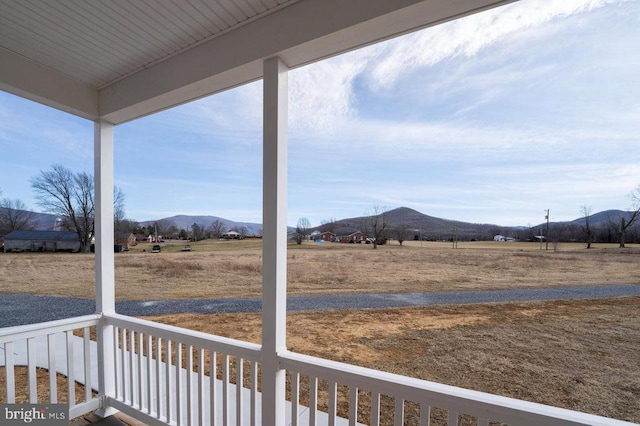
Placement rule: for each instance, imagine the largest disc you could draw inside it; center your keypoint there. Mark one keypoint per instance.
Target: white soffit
(121, 59)
(100, 41)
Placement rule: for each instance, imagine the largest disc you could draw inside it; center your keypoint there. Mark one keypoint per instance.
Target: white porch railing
(203, 387)
(47, 346)
(401, 392)
(168, 375)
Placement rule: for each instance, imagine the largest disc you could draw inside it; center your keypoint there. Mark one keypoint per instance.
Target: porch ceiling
(118, 60)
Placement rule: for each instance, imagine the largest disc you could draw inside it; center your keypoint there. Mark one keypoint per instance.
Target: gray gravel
(17, 309)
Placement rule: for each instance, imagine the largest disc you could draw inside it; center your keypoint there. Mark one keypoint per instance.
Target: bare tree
(69, 195)
(242, 230)
(587, 232)
(120, 225)
(376, 225)
(197, 233)
(302, 229)
(627, 220)
(165, 227)
(328, 225)
(129, 226)
(171, 231)
(217, 228)
(14, 216)
(403, 232)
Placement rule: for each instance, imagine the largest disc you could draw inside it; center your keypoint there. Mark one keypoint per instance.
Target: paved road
(17, 309)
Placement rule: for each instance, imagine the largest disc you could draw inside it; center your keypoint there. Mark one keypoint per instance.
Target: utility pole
(546, 247)
(455, 238)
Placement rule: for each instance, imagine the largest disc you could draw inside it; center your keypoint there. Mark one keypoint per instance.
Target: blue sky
(493, 118)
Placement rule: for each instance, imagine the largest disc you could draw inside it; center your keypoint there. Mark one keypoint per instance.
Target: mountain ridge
(186, 222)
(433, 228)
(430, 227)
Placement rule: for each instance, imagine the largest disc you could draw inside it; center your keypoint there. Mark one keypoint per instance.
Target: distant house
(40, 241)
(503, 238)
(354, 237)
(126, 239)
(151, 238)
(232, 235)
(323, 236)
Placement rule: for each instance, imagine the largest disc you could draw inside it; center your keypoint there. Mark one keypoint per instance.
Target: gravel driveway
(17, 309)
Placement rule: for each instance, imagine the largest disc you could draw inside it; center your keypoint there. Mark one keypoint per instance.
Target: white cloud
(27, 127)
(468, 36)
(325, 95)
(322, 94)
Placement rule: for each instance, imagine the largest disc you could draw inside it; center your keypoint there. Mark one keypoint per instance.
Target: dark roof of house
(42, 236)
(353, 233)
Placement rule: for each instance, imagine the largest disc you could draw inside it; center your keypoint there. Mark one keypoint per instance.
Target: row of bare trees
(377, 226)
(14, 216)
(167, 228)
(68, 195)
(621, 228)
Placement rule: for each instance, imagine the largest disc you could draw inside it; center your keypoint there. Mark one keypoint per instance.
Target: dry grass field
(582, 354)
(220, 269)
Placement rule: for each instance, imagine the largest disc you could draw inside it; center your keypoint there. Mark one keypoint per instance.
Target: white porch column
(105, 268)
(103, 170)
(274, 234)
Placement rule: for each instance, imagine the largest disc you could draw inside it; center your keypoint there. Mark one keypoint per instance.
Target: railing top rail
(494, 407)
(27, 331)
(246, 350)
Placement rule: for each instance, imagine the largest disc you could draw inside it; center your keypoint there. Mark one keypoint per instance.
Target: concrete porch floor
(119, 419)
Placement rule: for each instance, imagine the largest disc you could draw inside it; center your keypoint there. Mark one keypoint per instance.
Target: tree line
(66, 194)
(376, 224)
(167, 228)
(70, 196)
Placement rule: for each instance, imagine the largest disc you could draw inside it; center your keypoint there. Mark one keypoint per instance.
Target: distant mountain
(602, 218)
(431, 228)
(42, 221)
(46, 221)
(186, 222)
